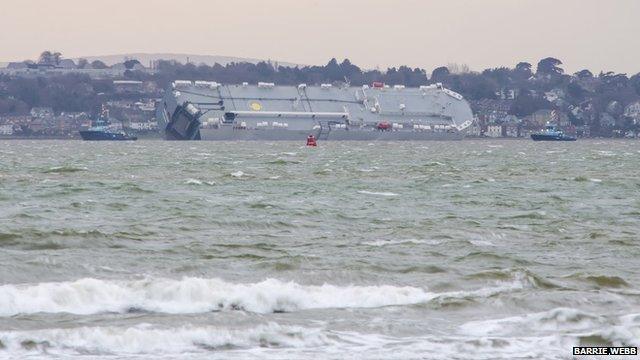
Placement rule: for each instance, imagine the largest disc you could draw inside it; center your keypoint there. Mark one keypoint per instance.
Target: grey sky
(594, 34)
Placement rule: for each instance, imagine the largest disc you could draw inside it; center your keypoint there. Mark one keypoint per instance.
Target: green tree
(50, 58)
(56, 57)
(634, 81)
(526, 104)
(549, 66)
(501, 75)
(583, 74)
(82, 63)
(97, 64)
(129, 64)
(524, 68)
(45, 57)
(439, 74)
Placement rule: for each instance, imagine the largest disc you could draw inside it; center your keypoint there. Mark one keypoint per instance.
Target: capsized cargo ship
(206, 110)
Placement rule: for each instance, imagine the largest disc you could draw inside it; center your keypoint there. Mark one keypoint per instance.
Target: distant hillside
(145, 59)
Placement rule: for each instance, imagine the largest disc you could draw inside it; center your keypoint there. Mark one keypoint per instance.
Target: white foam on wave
(481, 242)
(194, 295)
(237, 174)
(197, 295)
(147, 339)
(272, 341)
(606, 153)
(521, 282)
(377, 193)
(192, 181)
(381, 243)
(621, 331)
(556, 319)
(459, 347)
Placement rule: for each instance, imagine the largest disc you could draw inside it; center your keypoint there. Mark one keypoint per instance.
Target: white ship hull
(230, 134)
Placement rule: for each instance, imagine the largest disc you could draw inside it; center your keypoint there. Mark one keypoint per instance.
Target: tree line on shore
(591, 94)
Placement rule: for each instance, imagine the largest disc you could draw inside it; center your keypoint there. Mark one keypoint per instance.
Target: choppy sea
(352, 250)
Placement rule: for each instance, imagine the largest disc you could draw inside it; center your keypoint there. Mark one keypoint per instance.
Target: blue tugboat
(100, 130)
(550, 133)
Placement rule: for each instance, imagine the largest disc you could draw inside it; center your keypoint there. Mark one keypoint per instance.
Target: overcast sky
(594, 34)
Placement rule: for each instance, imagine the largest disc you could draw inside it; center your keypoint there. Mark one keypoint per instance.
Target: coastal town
(55, 97)
(335, 179)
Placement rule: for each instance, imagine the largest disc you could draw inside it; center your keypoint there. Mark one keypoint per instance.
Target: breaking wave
(194, 295)
(147, 339)
(192, 181)
(380, 243)
(585, 327)
(377, 193)
(197, 295)
(276, 341)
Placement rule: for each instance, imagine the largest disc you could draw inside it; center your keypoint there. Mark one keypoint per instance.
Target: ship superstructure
(103, 130)
(211, 111)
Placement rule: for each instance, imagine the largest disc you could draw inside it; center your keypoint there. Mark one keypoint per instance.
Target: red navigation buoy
(311, 140)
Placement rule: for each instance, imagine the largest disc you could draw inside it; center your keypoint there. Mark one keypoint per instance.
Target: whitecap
(193, 182)
(196, 295)
(607, 153)
(237, 174)
(380, 243)
(569, 323)
(200, 295)
(595, 180)
(382, 193)
(272, 341)
(558, 319)
(481, 243)
(148, 339)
